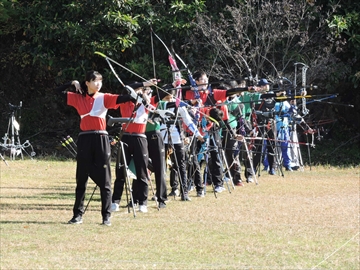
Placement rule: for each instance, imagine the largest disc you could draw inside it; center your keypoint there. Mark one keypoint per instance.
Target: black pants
(156, 149)
(135, 147)
(194, 172)
(232, 160)
(216, 168)
(269, 151)
(178, 167)
(93, 160)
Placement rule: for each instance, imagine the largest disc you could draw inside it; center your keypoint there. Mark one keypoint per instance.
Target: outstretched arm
(74, 85)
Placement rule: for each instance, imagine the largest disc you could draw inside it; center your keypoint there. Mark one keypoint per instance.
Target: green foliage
(145, 68)
(344, 26)
(9, 15)
(45, 43)
(65, 37)
(336, 152)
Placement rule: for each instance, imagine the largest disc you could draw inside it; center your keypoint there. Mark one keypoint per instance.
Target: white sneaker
(143, 209)
(219, 189)
(200, 194)
(115, 207)
(249, 179)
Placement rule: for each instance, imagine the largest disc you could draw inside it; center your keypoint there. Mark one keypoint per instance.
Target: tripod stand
(218, 159)
(268, 139)
(224, 166)
(1, 156)
(176, 152)
(12, 138)
(121, 163)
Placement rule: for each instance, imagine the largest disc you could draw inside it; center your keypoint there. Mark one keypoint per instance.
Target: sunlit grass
(303, 220)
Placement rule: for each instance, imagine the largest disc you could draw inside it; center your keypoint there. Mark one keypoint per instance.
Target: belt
(152, 132)
(102, 132)
(135, 134)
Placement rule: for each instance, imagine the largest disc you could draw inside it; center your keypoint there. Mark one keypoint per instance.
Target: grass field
(304, 220)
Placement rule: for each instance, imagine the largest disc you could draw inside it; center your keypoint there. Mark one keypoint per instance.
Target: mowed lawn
(305, 220)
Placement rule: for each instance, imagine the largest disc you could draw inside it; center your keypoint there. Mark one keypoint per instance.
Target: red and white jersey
(92, 109)
(219, 95)
(138, 124)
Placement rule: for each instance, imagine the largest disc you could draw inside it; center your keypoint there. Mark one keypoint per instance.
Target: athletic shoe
(239, 184)
(106, 222)
(76, 220)
(131, 205)
(288, 169)
(272, 172)
(115, 207)
(162, 205)
(174, 193)
(219, 189)
(249, 179)
(200, 194)
(185, 197)
(143, 208)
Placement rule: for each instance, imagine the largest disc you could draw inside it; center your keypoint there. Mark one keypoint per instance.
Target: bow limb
(177, 78)
(109, 61)
(153, 58)
(131, 91)
(152, 51)
(213, 120)
(111, 67)
(196, 112)
(191, 79)
(277, 72)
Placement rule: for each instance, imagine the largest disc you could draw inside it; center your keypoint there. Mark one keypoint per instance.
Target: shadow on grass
(30, 222)
(42, 188)
(56, 196)
(16, 206)
(25, 222)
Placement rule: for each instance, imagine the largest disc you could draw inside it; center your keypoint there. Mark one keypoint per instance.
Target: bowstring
(108, 60)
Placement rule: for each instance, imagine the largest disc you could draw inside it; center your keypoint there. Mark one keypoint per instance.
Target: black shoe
(288, 169)
(76, 220)
(162, 205)
(174, 193)
(272, 172)
(200, 194)
(131, 205)
(249, 179)
(185, 197)
(106, 222)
